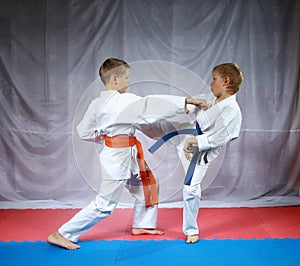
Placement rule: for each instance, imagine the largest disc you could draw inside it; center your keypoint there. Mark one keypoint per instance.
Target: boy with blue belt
(219, 124)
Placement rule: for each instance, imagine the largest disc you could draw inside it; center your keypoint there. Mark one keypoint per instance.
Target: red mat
(214, 223)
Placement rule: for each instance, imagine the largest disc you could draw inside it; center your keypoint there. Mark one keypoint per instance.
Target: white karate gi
(220, 123)
(114, 114)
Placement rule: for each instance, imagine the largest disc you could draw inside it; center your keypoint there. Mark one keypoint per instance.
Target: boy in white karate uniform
(220, 123)
(113, 118)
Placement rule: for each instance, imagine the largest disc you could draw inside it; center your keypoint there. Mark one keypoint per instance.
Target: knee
(105, 206)
(191, 192)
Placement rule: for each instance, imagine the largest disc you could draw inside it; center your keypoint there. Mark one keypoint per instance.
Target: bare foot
(192, 239)
(146, 231)
(57, 239)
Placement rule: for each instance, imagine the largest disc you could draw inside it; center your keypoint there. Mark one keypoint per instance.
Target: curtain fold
(50, 53)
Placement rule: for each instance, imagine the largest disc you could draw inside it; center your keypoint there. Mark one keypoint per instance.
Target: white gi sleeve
(87, 126)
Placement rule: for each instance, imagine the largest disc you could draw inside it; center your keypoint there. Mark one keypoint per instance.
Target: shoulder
(128, 98)
(229, 103)
(103, 97)
(230, 108)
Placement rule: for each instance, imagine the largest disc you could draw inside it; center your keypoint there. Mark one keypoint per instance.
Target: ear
(227, 81)
(113, 78)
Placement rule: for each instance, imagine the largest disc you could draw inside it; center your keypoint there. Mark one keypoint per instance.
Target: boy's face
(122, 82)
(218, 85)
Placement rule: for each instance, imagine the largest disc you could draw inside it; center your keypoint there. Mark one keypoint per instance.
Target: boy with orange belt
(113, 117)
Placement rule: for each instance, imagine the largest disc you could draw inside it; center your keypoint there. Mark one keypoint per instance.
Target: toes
(192, 239)
(57, 239)
(158, 232)
(144, 231)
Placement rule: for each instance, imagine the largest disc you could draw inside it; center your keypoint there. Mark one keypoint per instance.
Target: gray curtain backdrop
(50, 52)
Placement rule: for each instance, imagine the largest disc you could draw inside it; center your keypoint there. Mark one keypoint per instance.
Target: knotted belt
(196, 156)
(148, 180)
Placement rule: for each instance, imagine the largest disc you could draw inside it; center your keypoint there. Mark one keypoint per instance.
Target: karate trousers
(191, 200)
(105, 203)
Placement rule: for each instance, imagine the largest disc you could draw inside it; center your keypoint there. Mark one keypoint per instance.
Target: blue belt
(195, 160)
(191, 131)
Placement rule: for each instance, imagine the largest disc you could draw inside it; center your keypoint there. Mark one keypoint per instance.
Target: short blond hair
(232, 71)
(112, 66)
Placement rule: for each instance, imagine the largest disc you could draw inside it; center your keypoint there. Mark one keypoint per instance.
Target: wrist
(189, 100)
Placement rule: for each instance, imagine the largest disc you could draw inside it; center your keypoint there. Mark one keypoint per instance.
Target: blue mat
(281, 252)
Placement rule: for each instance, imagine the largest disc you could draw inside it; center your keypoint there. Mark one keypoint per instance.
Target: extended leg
(100, 208)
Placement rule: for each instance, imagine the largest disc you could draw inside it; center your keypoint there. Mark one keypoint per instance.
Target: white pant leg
(143, 217)
(191, 200)
(100, 208)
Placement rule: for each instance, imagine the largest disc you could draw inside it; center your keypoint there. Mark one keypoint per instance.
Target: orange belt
(148, 181)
